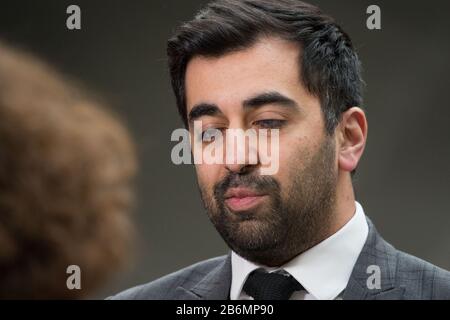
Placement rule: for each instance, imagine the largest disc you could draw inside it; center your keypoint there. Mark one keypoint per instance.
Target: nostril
(241, 169)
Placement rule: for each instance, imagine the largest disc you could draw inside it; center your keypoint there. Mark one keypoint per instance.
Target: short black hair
(330, 67)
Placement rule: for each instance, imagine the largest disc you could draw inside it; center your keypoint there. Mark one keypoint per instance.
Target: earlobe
(353, 135)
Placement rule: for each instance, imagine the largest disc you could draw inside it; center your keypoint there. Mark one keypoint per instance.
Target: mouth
(242, 199)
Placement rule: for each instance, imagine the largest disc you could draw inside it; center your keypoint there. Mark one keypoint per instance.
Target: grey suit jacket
(402, 276)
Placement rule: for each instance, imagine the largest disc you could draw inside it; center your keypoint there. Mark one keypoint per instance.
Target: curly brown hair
(66, 171)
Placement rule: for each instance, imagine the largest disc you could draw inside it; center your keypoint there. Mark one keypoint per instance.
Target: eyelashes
(270, 123)
(209, 134)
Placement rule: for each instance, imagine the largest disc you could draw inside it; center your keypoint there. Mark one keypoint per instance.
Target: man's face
(267, 219)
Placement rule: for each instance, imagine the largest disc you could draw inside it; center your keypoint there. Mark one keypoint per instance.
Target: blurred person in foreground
(66, 169)
(298, 234)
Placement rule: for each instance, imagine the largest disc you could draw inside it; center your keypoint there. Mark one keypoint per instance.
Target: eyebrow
(259, 100)
(271, 97)
(203, 109)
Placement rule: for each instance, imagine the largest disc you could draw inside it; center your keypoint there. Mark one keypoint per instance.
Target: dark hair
(330, 68)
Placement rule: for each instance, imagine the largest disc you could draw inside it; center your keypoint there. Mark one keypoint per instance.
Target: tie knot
(262, 285)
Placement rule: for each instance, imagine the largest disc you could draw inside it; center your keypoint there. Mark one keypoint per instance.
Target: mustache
(264, 184)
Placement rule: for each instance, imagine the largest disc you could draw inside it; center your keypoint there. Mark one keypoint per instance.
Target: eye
(270, 123)
(210, 134)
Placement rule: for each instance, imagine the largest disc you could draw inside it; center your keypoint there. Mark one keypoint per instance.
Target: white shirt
(323, 270)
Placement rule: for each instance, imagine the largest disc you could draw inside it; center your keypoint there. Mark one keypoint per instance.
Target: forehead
(271, 64)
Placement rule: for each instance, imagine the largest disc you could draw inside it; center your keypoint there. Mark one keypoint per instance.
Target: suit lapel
(213, 286)
(378, 253)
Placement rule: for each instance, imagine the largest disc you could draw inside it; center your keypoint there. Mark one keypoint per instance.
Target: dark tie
(270, 286)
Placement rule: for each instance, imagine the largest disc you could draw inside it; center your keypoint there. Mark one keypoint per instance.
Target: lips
(241, 193)
(241, 199)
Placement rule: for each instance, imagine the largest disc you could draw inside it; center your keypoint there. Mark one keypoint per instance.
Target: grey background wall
(403, 180)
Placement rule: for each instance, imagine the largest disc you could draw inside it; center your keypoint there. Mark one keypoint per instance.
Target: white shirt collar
(323, 270)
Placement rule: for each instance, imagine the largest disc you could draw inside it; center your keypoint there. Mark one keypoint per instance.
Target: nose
(241, 154)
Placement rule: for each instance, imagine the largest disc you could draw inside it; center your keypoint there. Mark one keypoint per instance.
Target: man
(299, 233)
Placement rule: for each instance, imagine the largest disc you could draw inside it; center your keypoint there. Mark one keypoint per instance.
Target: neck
(345, 203)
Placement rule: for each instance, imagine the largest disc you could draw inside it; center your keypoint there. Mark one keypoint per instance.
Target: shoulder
(164, 287)
(421, 279)
(411, 277)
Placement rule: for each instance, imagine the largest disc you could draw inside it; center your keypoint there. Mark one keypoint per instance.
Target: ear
(351, 138)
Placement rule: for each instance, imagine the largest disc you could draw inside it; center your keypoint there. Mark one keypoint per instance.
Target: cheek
(208, 175)
(294, 154)
(293, 149)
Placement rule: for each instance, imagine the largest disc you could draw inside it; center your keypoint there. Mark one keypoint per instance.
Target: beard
(292, 219)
